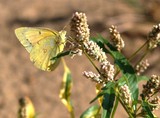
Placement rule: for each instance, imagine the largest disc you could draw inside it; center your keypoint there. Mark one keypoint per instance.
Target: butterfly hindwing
(43, 51)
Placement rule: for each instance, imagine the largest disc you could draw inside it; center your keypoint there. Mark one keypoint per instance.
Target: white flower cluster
(92, 76)
(107, 71)
(94, 51)
(125, 94)
(156, 103)
(80, 33)
(79, 27)
(116, 38)
(152, 85)
(154, 37)
(106, 74)
(142, 66)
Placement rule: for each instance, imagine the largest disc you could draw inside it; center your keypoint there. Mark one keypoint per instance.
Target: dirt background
(19, 77)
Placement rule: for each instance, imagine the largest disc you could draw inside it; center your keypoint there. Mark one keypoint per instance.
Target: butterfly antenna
(66, 26)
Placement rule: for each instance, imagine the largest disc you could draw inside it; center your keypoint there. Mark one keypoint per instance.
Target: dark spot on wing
(38, 43)
(34, 61)
(29, 41)
(44, 50)
(40, 32)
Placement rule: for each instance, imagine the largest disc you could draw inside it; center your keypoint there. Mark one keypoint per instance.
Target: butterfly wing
(42, 44)
(29, 36)
(43, 51)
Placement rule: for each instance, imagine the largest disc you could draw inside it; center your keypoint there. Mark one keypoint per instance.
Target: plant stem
(131, 57)
(147, 100)
(131, 116)
(115, 107)
(119, 99)
(67, 102)
(92, 62)
(145, 53)
(117, 72)
(99, 109)
(72, 114)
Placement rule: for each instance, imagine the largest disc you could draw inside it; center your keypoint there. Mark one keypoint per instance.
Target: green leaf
(115, 107)
(91, 112)
(107, 104)
(129, 76)
(62, 54)
(141, 78)
(108, 94)
(147, 109)
(119, 58)
(65, 91)
(132, 82)
(105, 89)
(133, 86)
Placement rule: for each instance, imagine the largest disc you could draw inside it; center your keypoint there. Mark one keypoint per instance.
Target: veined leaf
(65, 91)
(109, 85)
(108, 96)
(129, 76)
(141, 78)
(91, 112)
(147, 109)
(107, 104)
(119, 58)
(62, 54)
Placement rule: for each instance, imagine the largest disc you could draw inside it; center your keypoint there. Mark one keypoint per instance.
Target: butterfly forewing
(30, 36)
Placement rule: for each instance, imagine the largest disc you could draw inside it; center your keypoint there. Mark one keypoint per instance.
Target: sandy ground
(19, 77)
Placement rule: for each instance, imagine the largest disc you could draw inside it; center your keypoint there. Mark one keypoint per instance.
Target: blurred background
(19, 77)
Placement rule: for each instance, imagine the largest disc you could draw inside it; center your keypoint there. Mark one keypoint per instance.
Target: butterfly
(43, 44)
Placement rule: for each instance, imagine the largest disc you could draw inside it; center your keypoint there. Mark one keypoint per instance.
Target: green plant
(116, 83)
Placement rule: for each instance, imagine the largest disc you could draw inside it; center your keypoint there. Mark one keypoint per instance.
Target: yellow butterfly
(42, 44)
